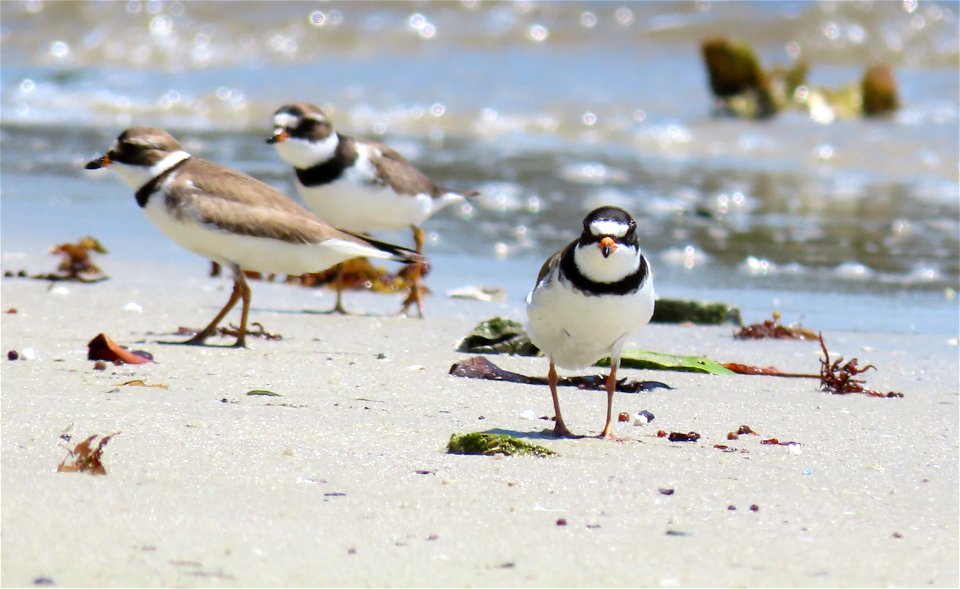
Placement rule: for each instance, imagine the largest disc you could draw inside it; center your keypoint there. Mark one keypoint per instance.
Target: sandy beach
(343, 479)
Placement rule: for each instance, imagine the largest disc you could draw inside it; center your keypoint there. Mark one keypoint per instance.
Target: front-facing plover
(357, 185)
(589, 297)
(229, 217)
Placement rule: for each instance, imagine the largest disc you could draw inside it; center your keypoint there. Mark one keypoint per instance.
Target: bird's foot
(560, 430)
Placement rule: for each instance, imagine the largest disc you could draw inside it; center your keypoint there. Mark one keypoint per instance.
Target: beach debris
(878, 89)
(773, 329)
(765, 371)
(633, 358)
(136, 383)
(488, 444)
(837, 377)
(742, 430)
(76, 264)
(262, 393)
(743, 89)
(776, 442)
(13, 355)
(498, 335)
(683, 311)
(102, 347)
(623, 417)
(679, 436)
(11, 311)
(85, 456)
(677, 533)
(482, 368)
(139, 382)
(359, 274)
(725, 448)
(643, 418)
(486, 294)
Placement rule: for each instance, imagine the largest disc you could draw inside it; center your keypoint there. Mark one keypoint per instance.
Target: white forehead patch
(608, 227)
(285, 119)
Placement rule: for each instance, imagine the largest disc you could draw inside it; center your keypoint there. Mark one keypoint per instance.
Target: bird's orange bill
(279, 136)
(101, 162)
(607, 246)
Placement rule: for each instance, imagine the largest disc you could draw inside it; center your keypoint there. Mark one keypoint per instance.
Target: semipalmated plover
(355, 184)
(230, 217)
(589, 297)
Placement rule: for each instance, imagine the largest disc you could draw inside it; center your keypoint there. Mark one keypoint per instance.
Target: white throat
(137, 176)
(622, 263)
(303, 154)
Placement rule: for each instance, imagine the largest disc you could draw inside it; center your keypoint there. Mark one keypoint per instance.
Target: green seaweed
(262, 393)
(657, 361)
(498, 336)
(488, 444)
(681, 311)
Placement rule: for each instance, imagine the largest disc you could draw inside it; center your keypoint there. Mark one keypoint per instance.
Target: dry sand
(344, 479)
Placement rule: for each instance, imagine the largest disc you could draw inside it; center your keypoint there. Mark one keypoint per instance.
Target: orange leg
(611, 388)
(338, 307)
(559, 428)
(241, 290)
(416, 289)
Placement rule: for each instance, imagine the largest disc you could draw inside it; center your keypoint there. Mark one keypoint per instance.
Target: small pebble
(60, 290)
(29, 354)
(624, 416)
(731, 507)
(562, 521)
(754, 507)
(133, 307)
(99, 365)
(528, 414)
(666, 491)
(12, 355)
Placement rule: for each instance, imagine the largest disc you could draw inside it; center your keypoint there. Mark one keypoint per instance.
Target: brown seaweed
(837, 377)
(85, 457)
(773, 329)
(76, 264)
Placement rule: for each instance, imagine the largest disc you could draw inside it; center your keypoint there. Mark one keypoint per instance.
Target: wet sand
(343, 480)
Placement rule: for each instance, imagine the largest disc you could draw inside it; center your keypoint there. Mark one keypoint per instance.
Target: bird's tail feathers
(396, 253)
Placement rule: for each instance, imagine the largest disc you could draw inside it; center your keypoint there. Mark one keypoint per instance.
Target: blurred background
(549, 109)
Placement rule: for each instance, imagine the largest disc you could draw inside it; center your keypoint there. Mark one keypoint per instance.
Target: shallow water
(549, 109)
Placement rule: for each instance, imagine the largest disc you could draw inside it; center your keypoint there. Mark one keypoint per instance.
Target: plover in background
(357, 185)
(229, 217)
(589, 297)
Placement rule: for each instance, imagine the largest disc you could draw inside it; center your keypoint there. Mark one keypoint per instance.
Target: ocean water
(548, 109)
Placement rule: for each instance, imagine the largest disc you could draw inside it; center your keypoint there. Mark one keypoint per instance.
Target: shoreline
(344, 478)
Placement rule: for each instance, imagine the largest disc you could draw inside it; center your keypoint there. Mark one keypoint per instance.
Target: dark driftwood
(480, 367)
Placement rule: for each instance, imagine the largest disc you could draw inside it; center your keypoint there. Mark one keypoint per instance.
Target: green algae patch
(656, 361)
(262, 393)
(498, 336)
(682, 311)
(488, 444)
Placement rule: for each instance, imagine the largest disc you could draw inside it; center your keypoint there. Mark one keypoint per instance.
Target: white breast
(576, 330)
(355, 202)
(253, 253)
